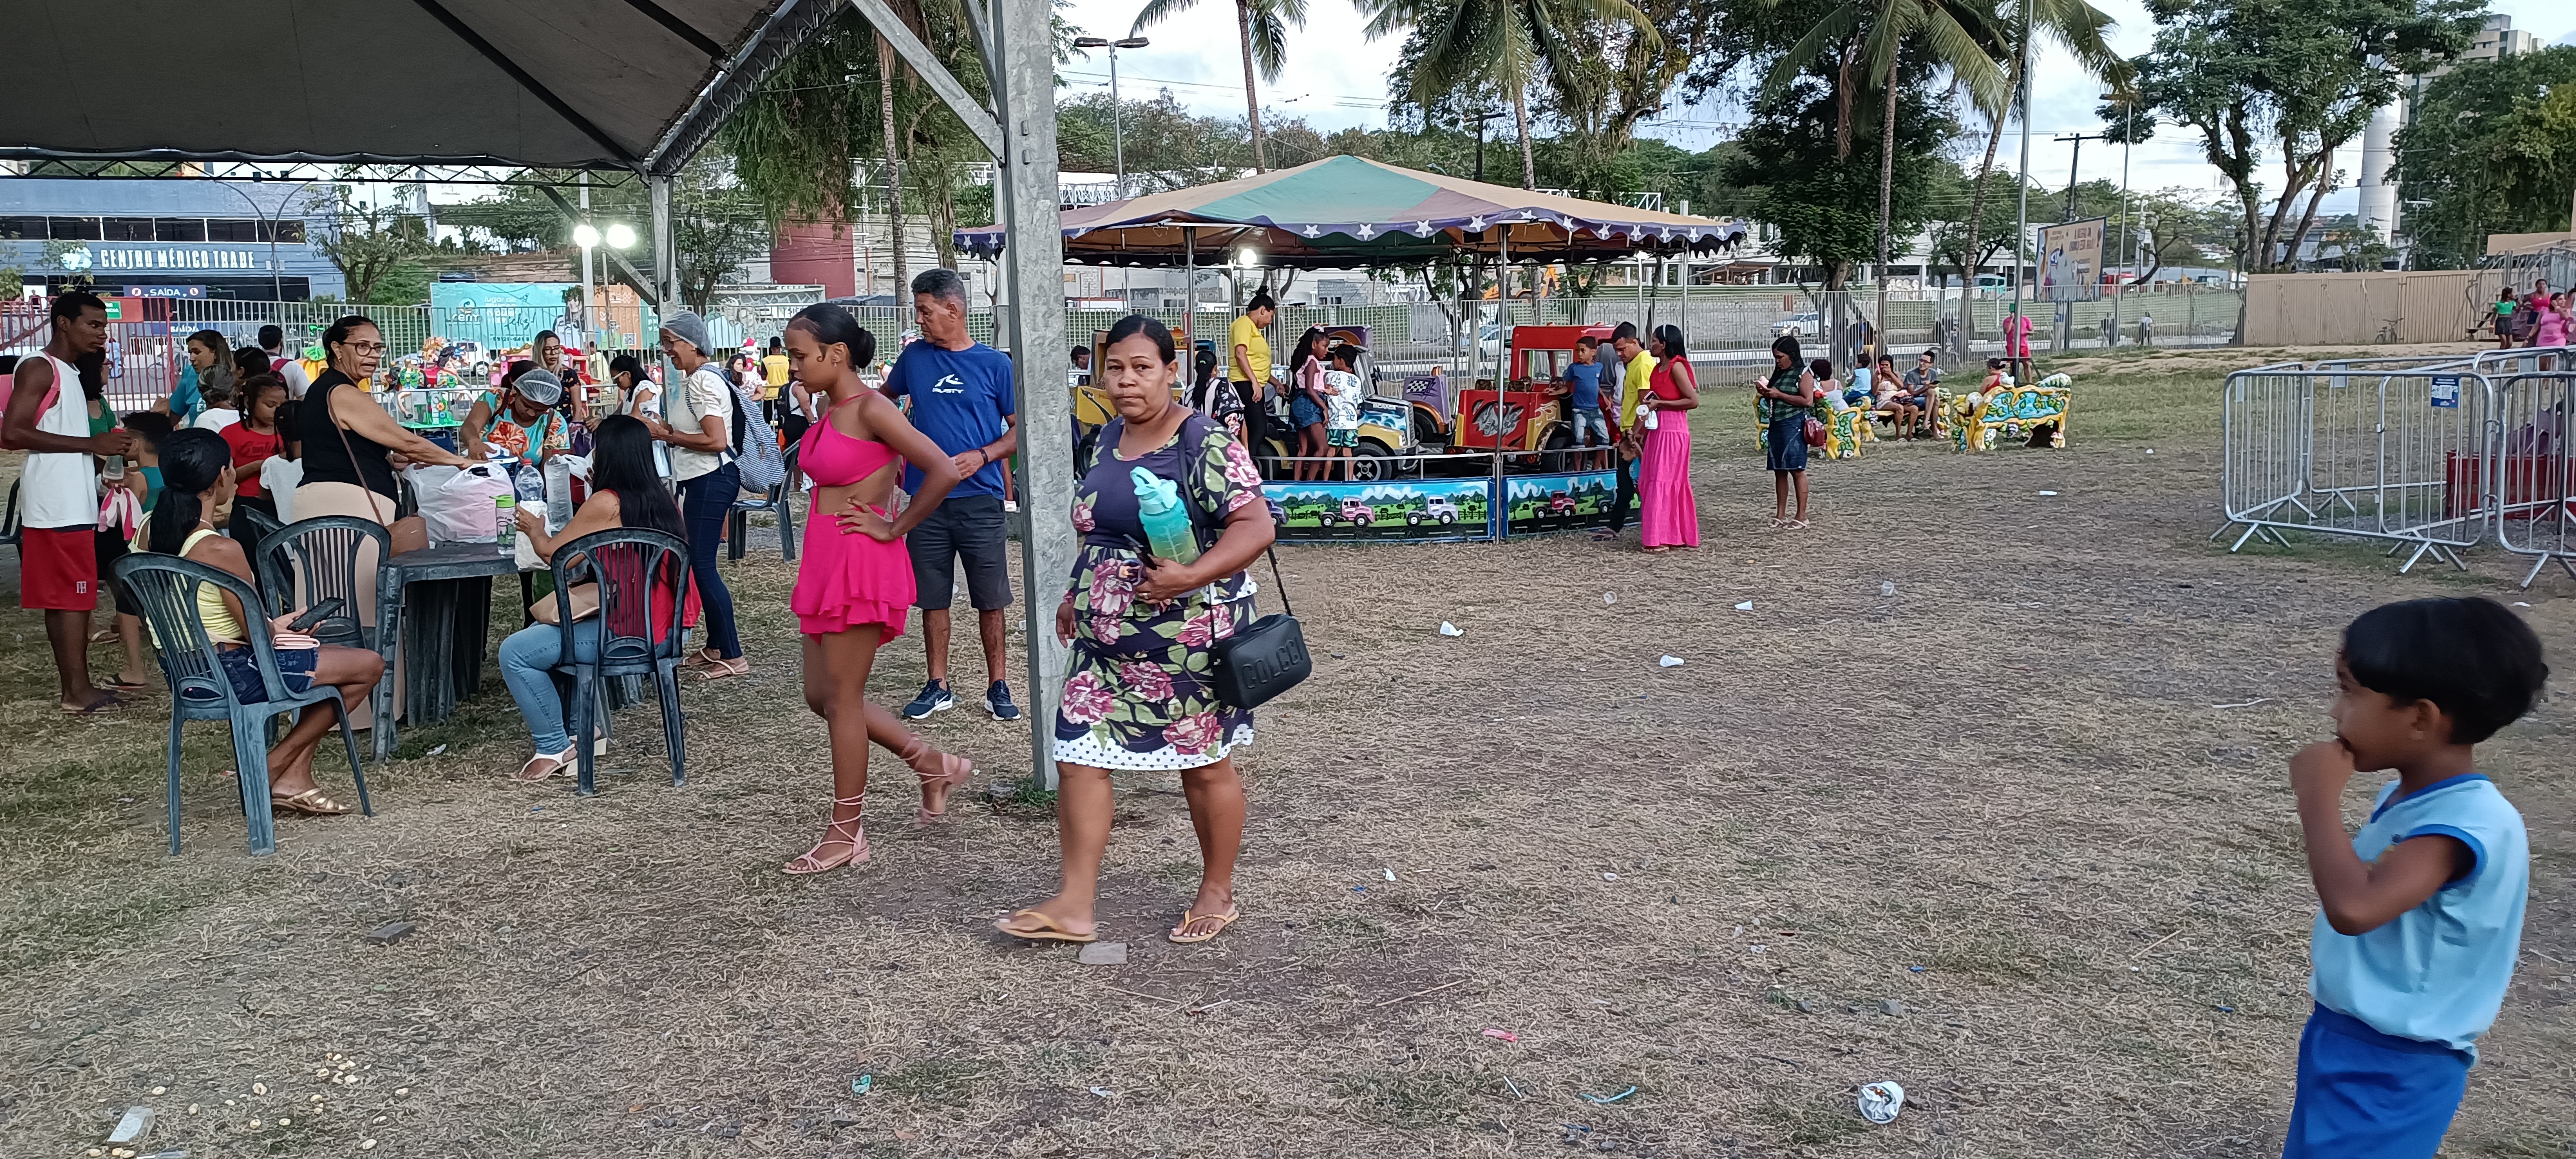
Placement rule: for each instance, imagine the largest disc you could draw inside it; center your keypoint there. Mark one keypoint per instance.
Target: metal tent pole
(666, 267)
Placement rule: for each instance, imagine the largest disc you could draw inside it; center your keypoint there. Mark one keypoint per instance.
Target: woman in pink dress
(854, 584)
(1663, 466)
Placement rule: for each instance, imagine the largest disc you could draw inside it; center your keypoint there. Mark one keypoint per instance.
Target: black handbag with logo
(1264, 660)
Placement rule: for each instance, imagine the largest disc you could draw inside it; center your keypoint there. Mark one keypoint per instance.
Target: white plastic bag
(457, 502)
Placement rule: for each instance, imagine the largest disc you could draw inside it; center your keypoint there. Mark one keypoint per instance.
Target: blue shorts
(2367, 1095)
(241, 666)
(1304, 412)
(1785, 444)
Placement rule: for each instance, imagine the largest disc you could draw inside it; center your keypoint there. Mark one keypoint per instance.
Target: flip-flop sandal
(109, 702)
(310, 802)
(725, 670)
(1189, 918)
(1052, 931)
(124, 685)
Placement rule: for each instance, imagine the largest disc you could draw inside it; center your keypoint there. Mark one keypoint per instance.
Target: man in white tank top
(48, 417)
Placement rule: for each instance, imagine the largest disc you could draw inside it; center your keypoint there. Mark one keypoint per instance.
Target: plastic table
(431, 608)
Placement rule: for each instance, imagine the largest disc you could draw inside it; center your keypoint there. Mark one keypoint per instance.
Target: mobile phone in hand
(318, 613)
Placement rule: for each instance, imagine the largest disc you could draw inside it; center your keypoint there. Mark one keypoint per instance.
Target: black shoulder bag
(1258, 663)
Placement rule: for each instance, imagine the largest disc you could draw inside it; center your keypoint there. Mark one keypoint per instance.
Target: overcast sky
(1337, 78)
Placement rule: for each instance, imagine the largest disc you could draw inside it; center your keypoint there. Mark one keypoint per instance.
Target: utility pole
(2128, 136)
(2065, 319)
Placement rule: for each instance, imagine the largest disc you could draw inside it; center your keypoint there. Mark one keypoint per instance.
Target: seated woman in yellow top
(196, 478)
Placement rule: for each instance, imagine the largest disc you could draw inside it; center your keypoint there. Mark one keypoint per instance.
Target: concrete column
(1033, 265)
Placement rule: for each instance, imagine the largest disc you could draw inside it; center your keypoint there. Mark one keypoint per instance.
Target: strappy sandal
(856, 843)
(953, 771)
(725, 669)
(1795, 525)
(310, 802)
(562, 761)
(1050, 930)
(1180, 934)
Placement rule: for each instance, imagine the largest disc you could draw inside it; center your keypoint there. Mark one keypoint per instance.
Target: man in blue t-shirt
(962, 398)
(1583, 396)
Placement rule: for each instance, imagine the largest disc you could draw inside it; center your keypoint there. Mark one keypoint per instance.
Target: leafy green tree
(1499, 45)
(1824, 202)
(1262, 26)
(1953, 39)
(2490, 147)
(368, 241)
(2286, 80)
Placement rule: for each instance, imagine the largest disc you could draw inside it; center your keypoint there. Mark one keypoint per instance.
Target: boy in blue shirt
(1583, 398)
(2420, 915)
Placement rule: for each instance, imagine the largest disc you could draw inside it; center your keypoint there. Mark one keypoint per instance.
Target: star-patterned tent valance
(1350, 211)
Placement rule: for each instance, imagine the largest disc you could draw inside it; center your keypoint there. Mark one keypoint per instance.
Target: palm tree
(2078, 26)
(1954, 36)
(1501, 43)
(1262, 25)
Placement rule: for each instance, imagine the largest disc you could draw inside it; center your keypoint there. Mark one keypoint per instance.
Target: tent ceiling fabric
(386, 81)
(1351, 211)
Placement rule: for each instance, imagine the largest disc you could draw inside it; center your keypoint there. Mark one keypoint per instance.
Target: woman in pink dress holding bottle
(1663, 465)
(854, 584)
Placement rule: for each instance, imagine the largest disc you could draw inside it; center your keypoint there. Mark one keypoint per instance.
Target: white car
(1805, 325)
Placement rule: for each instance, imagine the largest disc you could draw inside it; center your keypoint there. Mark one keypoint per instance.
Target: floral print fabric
(1136, 692)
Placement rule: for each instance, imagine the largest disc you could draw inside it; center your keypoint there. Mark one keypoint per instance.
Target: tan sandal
(310, 802)
(726, 669)
(1180, 934)
(1049, 929)
(856, 843)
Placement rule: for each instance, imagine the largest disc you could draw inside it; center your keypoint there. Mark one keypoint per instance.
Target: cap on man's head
(688, 327)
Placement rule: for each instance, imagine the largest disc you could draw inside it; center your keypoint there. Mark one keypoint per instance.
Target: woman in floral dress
(1141, 631)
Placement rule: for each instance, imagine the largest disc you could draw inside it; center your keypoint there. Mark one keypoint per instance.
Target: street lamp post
(276, 276)
(618, 236)
(1117, 108)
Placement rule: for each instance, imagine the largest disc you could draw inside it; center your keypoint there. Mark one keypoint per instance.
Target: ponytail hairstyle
(1669, 337)
(833, 326)
(192, 460)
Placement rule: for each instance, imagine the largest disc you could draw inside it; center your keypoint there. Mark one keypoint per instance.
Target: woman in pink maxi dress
(1663, 465)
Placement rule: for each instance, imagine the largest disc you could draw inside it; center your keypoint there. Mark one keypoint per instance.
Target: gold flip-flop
(1179, 937)
(1053, 931)
(310, 802)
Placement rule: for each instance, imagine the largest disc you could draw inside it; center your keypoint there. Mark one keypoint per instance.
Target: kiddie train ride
(1498, 459)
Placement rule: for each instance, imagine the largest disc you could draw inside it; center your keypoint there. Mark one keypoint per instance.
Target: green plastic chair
(166, 585)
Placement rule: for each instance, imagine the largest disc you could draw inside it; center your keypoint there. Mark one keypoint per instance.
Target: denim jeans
(528, 658)
(704, 503)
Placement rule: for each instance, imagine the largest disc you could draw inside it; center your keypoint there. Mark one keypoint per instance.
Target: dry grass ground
(2017, 837)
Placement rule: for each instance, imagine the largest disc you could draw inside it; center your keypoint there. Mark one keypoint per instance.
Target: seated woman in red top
(854, 584)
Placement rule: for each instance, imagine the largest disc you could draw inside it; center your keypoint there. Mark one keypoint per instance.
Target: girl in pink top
(855, 580)
(2550, 329)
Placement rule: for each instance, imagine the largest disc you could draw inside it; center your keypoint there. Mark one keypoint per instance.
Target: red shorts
(59, 569)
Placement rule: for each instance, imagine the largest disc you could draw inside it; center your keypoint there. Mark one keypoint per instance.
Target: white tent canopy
(637, 85)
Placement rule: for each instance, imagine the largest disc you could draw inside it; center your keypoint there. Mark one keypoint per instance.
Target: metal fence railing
(2428, 455)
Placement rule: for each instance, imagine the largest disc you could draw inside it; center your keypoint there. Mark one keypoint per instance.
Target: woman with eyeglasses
(348, 446)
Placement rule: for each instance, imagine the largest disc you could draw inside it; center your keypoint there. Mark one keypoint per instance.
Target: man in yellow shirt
(1248, 367)
(1632, 387)
(773, 368)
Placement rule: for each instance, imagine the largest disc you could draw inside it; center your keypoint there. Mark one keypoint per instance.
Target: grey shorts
(965, 528)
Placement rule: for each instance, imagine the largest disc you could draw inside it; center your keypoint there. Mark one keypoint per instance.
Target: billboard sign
(2070, 260)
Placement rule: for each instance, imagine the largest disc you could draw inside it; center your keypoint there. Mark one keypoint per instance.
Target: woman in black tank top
(346, 436)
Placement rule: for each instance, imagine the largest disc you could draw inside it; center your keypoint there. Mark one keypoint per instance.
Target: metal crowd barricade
(2532, 491)
(2356, 448)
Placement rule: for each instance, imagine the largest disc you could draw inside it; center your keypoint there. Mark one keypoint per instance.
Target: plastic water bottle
(1167, 526)
(505, 519)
